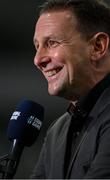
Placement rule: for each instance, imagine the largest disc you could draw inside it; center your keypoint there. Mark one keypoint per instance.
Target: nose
(41, 59)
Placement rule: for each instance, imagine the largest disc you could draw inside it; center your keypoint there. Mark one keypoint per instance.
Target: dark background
(19, 78)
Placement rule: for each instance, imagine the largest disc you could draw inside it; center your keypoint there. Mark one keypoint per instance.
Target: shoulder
(100, 113)
(102, 106)
(59, 127)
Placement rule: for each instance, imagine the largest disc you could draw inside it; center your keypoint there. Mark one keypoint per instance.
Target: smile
(52, 72)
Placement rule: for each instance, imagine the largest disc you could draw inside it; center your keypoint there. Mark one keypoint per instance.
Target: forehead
(53, 21)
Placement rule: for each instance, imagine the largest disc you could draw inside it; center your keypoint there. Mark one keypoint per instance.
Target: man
(72, 40)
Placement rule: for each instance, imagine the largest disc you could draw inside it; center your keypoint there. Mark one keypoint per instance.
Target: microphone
(23, 129)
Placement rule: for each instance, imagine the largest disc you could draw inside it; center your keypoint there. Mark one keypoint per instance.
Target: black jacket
(91, 157)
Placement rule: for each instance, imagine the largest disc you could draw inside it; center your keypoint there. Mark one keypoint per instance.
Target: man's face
(62, 54)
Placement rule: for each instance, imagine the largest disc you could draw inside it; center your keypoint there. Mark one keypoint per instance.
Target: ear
(99, 44)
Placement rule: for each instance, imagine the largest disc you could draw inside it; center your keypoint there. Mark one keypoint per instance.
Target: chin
(54, 92)
(57, 92)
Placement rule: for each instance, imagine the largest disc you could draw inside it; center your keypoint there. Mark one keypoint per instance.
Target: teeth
(52, 73)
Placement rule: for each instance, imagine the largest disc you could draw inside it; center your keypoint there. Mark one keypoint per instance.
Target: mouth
(52, 73)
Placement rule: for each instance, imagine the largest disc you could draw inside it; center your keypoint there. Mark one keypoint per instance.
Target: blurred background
(20, 79)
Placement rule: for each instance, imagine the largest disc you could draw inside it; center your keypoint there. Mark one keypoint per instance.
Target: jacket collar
(85, 104)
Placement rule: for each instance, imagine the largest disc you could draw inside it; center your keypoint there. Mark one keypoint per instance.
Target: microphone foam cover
(25, 122)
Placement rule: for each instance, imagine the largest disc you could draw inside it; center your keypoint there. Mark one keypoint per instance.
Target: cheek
(72, 64)
(66, 58)
(55, 55)
(58, 54)
(70, 71)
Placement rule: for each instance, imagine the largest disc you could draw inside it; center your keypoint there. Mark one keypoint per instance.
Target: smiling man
(61, 55)
(72, 39)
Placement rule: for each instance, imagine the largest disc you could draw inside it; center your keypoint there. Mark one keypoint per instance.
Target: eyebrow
(45, 39)
(36, 42)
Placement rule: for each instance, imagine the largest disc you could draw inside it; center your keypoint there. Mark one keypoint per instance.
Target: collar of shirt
(80, 111)
(85, 104)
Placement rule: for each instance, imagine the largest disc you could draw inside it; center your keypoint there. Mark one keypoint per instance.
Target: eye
(52, 43)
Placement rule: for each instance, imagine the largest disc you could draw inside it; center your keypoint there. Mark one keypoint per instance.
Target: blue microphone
(23, 129)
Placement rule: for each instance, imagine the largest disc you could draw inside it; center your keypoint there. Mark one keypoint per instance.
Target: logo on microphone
(15, 115)
(35, 122)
